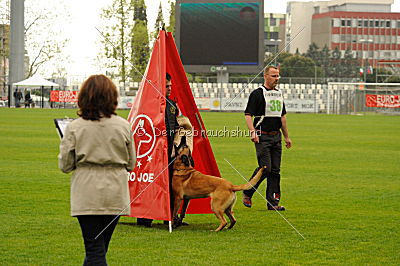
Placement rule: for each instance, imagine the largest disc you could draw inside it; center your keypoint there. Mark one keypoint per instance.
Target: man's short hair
(266, 70)
(168, 77)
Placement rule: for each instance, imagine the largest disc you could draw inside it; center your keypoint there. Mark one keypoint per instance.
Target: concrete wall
(320, 32)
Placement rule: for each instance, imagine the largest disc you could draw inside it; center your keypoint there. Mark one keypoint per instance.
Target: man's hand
(254, 137)
(288, 142)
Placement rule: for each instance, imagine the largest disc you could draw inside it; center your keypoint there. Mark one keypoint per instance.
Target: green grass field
(340, 185)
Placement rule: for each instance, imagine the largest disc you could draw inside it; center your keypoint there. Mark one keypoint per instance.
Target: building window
(371, 23)
(272, 22)
(376, 23)
(387, 39)
(348, 23)
(343, 23)
(387, 54)
(342, 38)
(274, 35)
(335, 38)
(336, 22)
(365, 23)
(387, 23)
(398, 24)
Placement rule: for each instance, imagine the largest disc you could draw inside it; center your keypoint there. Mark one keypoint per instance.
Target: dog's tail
(251, 183)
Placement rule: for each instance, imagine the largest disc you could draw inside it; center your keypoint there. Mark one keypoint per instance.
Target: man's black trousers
(269, 153)
(91, 226)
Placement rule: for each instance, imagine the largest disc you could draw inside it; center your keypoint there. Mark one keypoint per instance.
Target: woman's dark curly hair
(97, 98)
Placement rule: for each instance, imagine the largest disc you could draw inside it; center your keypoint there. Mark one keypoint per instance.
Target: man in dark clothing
(28, 99)
(268, 109)
(18, 98)
(171, 125)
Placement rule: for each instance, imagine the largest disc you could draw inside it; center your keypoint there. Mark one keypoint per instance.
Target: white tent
(36, 81)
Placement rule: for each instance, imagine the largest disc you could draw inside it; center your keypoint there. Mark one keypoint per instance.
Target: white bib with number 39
(273, 103)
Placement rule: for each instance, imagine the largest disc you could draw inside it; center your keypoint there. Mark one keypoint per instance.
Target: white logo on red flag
(144, 134)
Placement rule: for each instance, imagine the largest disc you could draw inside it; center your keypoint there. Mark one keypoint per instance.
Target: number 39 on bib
(273, 103)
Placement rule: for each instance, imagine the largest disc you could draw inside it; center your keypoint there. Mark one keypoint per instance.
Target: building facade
(302, 20)
(274, 37)
(4, 54)
(369, 35)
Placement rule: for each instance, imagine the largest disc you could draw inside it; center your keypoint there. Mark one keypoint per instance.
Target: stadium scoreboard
(227, 35)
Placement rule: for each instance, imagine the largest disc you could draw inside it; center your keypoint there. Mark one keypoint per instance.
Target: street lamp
(366, 58)
(276, 43)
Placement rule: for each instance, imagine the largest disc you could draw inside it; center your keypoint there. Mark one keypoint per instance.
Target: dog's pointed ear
(185, 160)
(191, 159)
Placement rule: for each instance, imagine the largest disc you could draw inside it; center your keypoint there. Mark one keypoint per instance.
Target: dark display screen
(219, 33)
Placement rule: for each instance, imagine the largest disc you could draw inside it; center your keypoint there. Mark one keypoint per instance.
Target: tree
(324, 60)
(269, 60)
(171, 26)
(44, 43)
(117, 40)
(314, 53)
(140, 50)
(335, 69)
(126, 40)
(159, 22)
(350, 65)
(299, 66)
(139, 41)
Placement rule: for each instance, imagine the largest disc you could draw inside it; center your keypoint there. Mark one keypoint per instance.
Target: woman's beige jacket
(100, 153)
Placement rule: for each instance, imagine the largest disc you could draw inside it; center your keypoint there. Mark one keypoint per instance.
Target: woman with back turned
(98, 148)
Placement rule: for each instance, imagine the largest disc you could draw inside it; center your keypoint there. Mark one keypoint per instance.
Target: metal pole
(42, 104)
(315, 88)
(17, 43)
(365, 66)
(9, 95)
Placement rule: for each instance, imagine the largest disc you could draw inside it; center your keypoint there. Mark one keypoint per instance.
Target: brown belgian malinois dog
(188, 183)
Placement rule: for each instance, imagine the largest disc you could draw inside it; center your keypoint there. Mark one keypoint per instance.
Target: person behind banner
(171, 125)
(98, 148)
(267, 106)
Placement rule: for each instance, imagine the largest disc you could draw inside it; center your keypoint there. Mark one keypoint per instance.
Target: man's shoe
(246, 201)
(276, 208)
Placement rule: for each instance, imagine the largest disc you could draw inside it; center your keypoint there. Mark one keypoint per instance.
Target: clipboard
(61, 125)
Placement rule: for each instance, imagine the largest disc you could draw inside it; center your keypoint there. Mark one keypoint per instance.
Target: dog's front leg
(177, 205)
(184, 207)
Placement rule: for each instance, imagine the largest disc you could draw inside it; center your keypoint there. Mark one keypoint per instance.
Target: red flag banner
(182, 95)
(64, 96)
(383, 101)
(149, 181)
